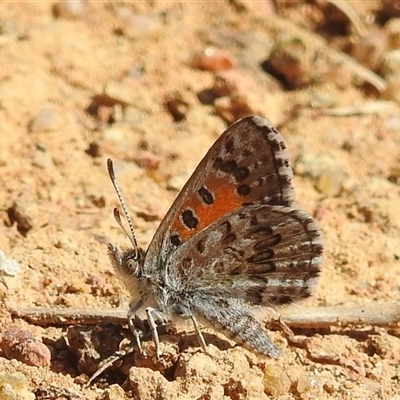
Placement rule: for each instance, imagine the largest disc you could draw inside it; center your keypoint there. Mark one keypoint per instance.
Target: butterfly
(232, 241)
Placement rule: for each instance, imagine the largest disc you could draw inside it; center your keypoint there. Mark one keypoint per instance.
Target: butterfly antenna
(117, 215)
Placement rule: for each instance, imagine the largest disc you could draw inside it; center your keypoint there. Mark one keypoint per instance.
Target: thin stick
(70, 316)
(384, 315)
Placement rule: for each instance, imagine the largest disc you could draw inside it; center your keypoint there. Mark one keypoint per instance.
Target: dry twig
(384, 315)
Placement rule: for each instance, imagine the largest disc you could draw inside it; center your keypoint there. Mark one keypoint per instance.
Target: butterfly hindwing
(264, 255)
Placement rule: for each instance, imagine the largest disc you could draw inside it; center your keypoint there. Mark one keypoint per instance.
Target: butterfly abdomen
(233, 319)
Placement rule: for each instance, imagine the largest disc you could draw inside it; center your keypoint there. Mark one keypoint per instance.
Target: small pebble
(113, 134)
(276, 381)
(232, 109)
(19, 213)
(310, 387)
(45, 121)
(69, 9)
(135, 26)
(212, 59)
(64, 244)
(97, 287)
(8, 265)
(149, 160)
(20, 345)
(107, 108)
(42, 159)
(94, 150)
(176, 106)
(97, 200)
(292, 61)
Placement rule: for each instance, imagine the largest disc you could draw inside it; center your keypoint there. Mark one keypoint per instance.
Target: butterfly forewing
(247, 164)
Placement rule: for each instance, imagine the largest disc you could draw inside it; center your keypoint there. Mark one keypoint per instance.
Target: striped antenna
(117, 215)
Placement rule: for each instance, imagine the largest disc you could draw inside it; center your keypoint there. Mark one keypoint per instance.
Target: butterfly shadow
(188, 340)
(181, 334)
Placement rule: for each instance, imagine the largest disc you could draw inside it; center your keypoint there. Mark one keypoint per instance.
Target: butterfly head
(130, 261)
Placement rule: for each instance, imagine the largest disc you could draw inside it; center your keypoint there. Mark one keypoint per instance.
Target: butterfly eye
(130, 266)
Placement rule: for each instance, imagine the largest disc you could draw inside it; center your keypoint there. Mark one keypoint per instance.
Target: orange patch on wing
(225, 200)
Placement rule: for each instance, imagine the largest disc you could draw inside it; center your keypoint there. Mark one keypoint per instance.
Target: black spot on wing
(175, 239)
(189, 219)
(187, 263)
(247, 153)
(206, 196)
(218, 162)
(228, 239)
(262, 257)
(201, 245)
(229, 146)
(243, 190)
(219, 267)
(240, 174)
(229, 166)
(266, 243)
(261, 230)
(282, 300)
(254, 221)
(227, 226)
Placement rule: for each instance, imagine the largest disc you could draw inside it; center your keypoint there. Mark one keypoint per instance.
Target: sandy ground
(122, 80)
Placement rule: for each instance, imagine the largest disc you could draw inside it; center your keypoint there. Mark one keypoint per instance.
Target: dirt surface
(81, 82)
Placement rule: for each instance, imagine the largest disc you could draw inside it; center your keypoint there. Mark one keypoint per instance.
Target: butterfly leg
(135, 332)
(151, 313)
(199, 335)
(197, 330)
(131, 316)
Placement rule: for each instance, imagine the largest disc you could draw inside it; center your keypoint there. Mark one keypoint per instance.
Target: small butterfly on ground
(232, 240)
